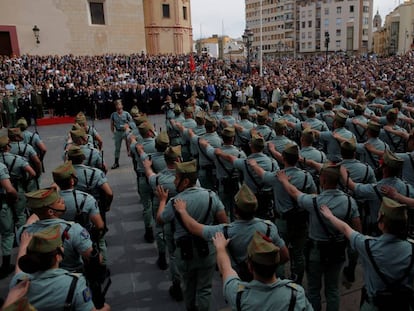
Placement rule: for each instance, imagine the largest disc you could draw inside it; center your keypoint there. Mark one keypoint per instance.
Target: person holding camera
(195, 258)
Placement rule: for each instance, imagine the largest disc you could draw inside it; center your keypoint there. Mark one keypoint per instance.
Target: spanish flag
(192, 63)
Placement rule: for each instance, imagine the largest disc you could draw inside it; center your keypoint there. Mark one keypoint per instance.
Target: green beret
(41, 198)
(75, 151)
(391, 160)
(173, 152)
(210, 121)
(22, 123)
(261, 250)
(187, 167)
(75, 134)
(257, 142)
(4, 141)
(292, 149)
(349, 145)
(140, 119)
(244, 110)
(63, 172)
(14, 132)
(145, 127)
(245, 199)
(162, 139)
(393, 210)
(340, 117)
(331, 169)
(46, 241)
(228, 132)
(228, 107)
(374, 126)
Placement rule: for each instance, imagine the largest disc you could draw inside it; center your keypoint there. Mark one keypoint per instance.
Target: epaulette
(292, 285)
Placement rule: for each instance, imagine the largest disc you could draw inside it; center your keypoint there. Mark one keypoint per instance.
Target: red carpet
(55, 120)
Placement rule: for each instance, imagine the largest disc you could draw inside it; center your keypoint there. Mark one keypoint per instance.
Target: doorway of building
(5, 43)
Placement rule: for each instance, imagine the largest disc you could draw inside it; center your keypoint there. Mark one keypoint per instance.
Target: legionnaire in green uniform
(387, 260)
(20, 173)
(195, 258)
(8, 195)
(325, 250)
(240, 231)
(120, 120)
(164, 232)
(89, 130)
(290, 219)
(266, 291)
(50, 286)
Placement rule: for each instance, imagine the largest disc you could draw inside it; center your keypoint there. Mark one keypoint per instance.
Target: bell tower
(168, 27)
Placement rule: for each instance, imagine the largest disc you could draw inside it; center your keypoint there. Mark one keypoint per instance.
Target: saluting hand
(162, 193)
(220, 241)
(326, 212)
(281, 175)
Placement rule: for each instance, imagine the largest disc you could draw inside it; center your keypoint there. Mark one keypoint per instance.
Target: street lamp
(229, 52)
(248, 40)
(36, 31)
(326, 45)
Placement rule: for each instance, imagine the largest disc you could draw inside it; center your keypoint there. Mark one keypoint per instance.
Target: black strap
(392, 141)
(292, 302)
(259, 187)
(65, 232)
(411, 160)
(360, 136)
(238, 300)
(378, 193)
(380, 274)
(71, 292)
(90, 158)
(202, 151)
(79, 209)
(229, 173)
(89, 182)
(366, 174)
(31, 139)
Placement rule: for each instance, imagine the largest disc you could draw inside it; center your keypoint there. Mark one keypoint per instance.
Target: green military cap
(187, 167)
(41, 198)
(134, 111)
(228, 107)
(370, 96)
(331, 169)
(80, 120)
(308, 133)
(200, 116)
(374, 126)
(261, 250)
(245, 199)
(189, 109)
(177, 108)
(216, 104)
(76, 126)
(4, 141)
(140, 119)
(273, 105)
(340, 117)
(359, 107)
(162, 139)
(250, 102)
(75, 151)
(244, 110)
(63, 172)
(316, 93)
(349, 145)
(392, 112)
(228, 132)
(305, 100)
(393, 210)
(145, 127)
(173, 152)
(21, 304)
(280, 124)
(391, 160)
(14, 132)
(211, 121)
(262, 115)
(292, 149)
(257, 142)
(79, 133)
(22, 123)
(46, 241)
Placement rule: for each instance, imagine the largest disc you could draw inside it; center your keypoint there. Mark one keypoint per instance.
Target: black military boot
(149, 235)
(162, 261)
(175, 291)
(116, 164)
(6, 268)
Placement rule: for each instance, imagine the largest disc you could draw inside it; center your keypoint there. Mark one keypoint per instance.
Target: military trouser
(6, 229)
(118, 137)
(145, 193)
(316, 269)
(170, 244)
(159, 228)
(20, 208)
(227, 197)
(196, 278)
(294, 232)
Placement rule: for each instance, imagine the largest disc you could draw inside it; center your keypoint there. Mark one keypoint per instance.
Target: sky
(226, 17)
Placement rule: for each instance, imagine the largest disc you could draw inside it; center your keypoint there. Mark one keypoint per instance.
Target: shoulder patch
(269, 222)
(241, 288)
(292, 285)
(87, 296)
